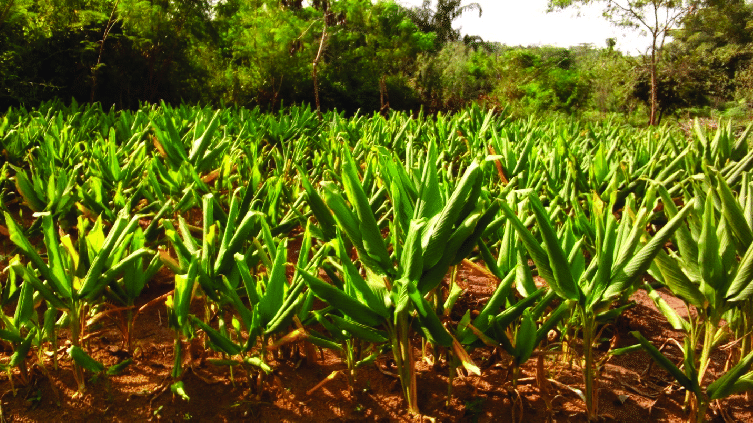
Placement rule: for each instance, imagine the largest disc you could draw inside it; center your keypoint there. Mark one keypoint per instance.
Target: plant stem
(702, 402)
(588, 371)
(177, 357)
(401, 350)
(129, 328)
(453, 366)
(349, 351)
(75, 326)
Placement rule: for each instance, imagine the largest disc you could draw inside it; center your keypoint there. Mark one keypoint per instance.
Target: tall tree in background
(439, 20)
(716, 45)
(656, 17)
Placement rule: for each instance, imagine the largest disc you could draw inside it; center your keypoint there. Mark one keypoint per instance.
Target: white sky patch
(526, 23)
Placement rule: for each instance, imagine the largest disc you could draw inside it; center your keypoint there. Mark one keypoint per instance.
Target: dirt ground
(631, 388)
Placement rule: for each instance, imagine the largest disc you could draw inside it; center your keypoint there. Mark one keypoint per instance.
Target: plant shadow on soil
(631, 388)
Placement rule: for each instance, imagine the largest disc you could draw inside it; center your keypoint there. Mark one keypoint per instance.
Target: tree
(657, 17)
(440, 19)
(716, 44)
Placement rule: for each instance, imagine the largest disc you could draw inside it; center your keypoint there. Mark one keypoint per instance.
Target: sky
(526, 23)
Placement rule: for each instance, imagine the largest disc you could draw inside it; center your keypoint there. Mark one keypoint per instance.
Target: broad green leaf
(428, 319)
(366, 333)
(525, 339)
(565, 285)
(18, 238)
(321, 212)
(358, 287)
(677, 281)
(708, 250)
(184, 291)
(274, 293)
(121, 227)
(411, 259)
(439, 231)
(373, 243)
(741, 287)
(677, 322)
(725, 385)
(538, 254)
(734, 214)
(84, 360)
(667, 364)
(339, 299)
(641, 261)
(19, 355)
(200, 145)
(227, 346)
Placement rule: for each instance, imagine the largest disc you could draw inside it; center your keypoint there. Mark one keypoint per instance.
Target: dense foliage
(358, 54)
(96, 202)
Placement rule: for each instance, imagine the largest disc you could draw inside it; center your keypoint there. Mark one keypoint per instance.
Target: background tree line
(359, 54)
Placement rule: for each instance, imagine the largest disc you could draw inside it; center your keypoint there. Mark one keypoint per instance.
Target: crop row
(568, 218)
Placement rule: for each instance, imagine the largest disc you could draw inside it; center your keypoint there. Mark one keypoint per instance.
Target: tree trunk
(384, 98)
(654, 89)
(95, 68)
(315, 65)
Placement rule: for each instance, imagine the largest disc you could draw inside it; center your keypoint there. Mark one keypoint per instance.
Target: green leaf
(554, 318)
(479, 228)
(46, 293)
(734, 214)
(27, 191)
(538, 254)
(677, 281)
(641, 261)
(430, 323)
(25, 306)
(433, 276)
(84, 360)
(725, 385)
(200, 145)
(118, 368)
(19, 355)
(626, 350)
(674, 319)
(356, 286)
(565, 285)
(741, 287)
(439, 231)
(525, 341)
(10, 336)
(339, 299)
(178, 389)
(496, 302)
(744, 384)
(60, 278)
(411, 259)
(373, 243)
(184, 291)
(241, 235)
(248, 280)
(429, 199)
(360, 331)
(230, 292)
(274, 293)
(709, 261)
(667, 364)
(227, 346)
(321, 212)
(505, 318)
(18, 238)
(121, 227)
